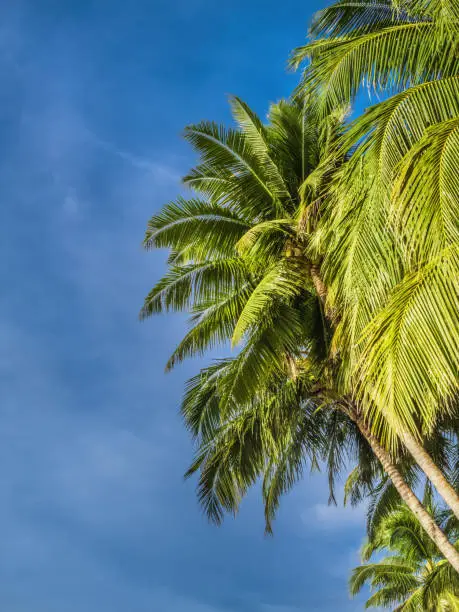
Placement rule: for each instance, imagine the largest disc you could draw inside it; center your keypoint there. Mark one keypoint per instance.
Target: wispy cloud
(162, 172)
(334, 518)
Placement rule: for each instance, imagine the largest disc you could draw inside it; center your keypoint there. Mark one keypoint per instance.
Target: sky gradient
(94, 513)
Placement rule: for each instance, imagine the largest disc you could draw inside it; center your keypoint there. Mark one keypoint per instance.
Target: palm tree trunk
(431, 470)
(425, 519)
(319, 285)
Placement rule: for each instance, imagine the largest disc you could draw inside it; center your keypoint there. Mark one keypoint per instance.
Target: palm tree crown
(411, 575)
(238, 264)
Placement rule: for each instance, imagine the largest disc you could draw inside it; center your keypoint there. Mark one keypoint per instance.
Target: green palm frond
(385, 500)
(299, 448)
(296, 142)
(348, 17)
(200, 404)
(427, 192)
(393, 570)
(365, 480)
(361, 259)
(406, 535)
(194, 282)
(266, 243)
(212, 324)
(231, 150)
(201, 228)
(444, 13)
(338, 430)
(265, 354)
(389, 59)
(272, 436)
(409, 365)
(257, 136)
(284, 281)
(413, 603)
(387, 131)
(274, 230)
(442, 585)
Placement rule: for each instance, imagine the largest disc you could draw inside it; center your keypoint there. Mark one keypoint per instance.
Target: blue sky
(94, 514)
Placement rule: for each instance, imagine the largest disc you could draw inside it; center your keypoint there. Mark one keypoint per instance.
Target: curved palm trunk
(431, 470)
(425, 519)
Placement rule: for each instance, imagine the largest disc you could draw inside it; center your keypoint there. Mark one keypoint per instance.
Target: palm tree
(391, 229)
(237, 260)
(412, 575)
(241, 262)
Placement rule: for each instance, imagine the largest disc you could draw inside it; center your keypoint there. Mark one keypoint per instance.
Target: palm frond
(441, 584)
(282, 282)
(212, 324)
(427, 193)
(390, 60)
(388, 131)
(349, 17)
(295, 139)
(202, 228)
(200, 404)
(392, 571)
(409, 364)
(257, 137)
(361, 259)
(265, 354)
(271, 436)
(198, 282)
(231, 150)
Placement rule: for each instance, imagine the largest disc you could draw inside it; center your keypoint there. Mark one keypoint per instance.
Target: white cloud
(328, 517)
